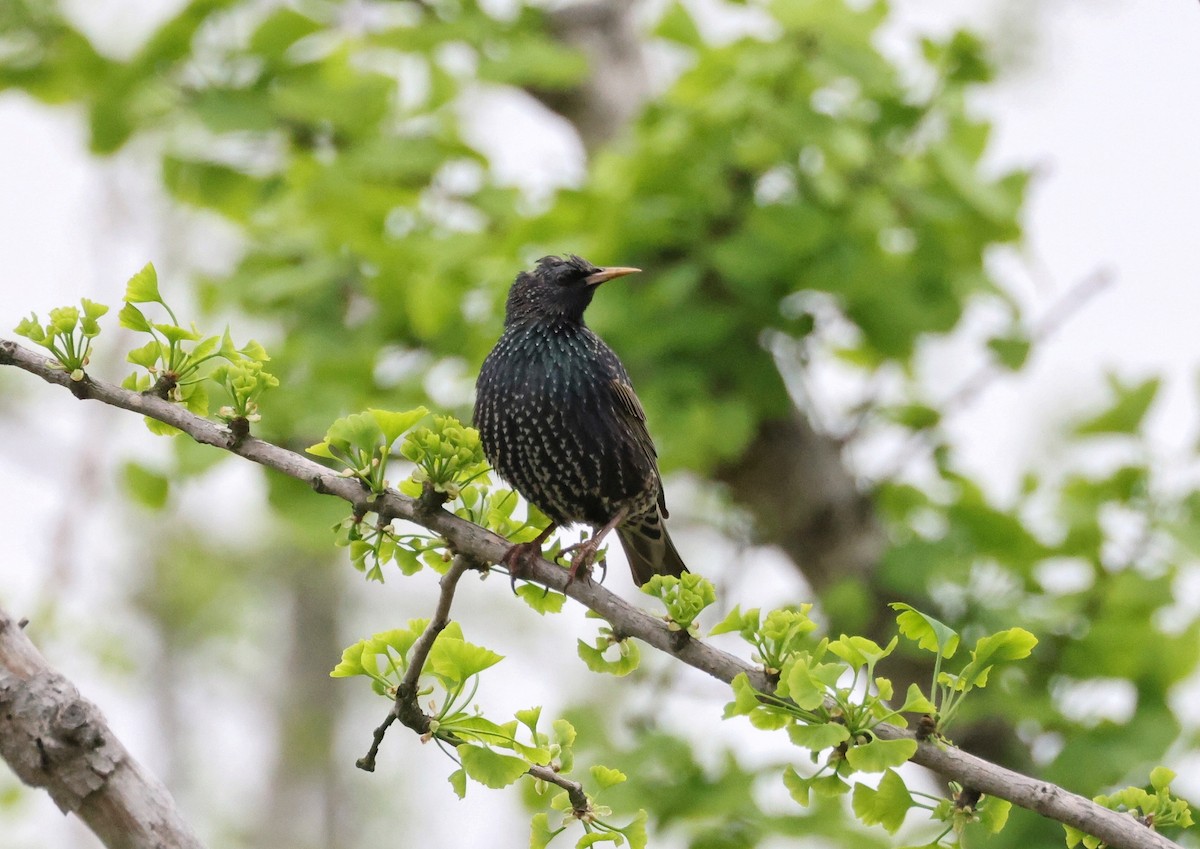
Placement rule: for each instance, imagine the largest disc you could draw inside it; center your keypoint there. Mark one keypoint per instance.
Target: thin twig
(1118, 830)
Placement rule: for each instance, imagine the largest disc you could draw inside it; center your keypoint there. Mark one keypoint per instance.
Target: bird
(559, 420)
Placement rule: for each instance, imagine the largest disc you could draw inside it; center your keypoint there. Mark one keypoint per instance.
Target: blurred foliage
(795, 195)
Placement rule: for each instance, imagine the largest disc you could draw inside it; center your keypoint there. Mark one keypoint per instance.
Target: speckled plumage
(559, 419)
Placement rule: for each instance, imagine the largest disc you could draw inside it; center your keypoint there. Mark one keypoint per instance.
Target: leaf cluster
(67, 335)
(179, 361)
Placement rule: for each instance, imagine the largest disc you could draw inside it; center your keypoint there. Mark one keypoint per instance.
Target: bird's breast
(544, 412)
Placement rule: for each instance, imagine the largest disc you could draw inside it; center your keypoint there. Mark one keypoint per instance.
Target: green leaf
(174, 333)
(279, 31)
(132, 318)
(93, 310)
(928, 633)
(1127, 411)
(797, 785)
(540, 834)
(142, 287)
(635, 832)
(148, 488)
(31, 329)
(818, 737)
(808, 683)
(1011, 644)
(860, 651)
(393, 425)
(529, 717)
(206, 348)
(994, 814)
(352, 661)
(489, 768)
(455, 660)
(878, 755)
(886, 805)
(737, 622)
(595, 659)
(591, 838)
(1074, 836)
(1161, 778)
(458, 781)
(677, 25)
(606, 777)
(64, 319)
(1010, 351)
(829, 786)
(916, 702)
(541, 599)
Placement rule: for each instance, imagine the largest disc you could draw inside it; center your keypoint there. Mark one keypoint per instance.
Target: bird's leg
(516, 559)
(585, 552)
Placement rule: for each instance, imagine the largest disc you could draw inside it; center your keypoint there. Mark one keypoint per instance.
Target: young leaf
(529, 718)
(737, 622)
(797, 785)
(878, 755)
(393, 425)
(860, 651)
(540, 834)
(1161, 778)
(606, 777)
(458, 780)
(818, 737)
(142, 287)
(916, 702)
(886, 805)
(1126, 414)
(1010, 644)
(635, 832)
(491, 769)
(807, 683)
(540, 600)
(994, 813)
(626, 661)
(928, 633)
(457, 660)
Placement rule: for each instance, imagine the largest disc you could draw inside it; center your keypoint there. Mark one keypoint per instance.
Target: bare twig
(406, 708)
(53, 738)
(1118, 830)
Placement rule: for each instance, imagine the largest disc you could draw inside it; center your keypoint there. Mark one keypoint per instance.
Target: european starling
(559, 421)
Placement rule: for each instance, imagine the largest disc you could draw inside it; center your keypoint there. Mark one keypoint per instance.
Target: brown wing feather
(629, 408)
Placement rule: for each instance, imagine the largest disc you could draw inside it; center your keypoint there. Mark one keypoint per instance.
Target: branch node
(239, 429)
(82, 388)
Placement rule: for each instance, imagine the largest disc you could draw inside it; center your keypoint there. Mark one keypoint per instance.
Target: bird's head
(558, 288)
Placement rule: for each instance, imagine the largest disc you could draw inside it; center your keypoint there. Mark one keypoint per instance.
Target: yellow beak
(606, 274)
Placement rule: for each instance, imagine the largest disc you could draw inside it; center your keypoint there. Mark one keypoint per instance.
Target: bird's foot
(518, 559)
(585, 557)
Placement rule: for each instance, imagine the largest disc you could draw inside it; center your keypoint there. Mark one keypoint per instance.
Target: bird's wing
(629, 411)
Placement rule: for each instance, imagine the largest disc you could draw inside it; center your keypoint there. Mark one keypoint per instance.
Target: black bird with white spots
(559, 421)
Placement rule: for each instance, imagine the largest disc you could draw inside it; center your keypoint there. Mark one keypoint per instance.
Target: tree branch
(1118, 830)
(53, 738)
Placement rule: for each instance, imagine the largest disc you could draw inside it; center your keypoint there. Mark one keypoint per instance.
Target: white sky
(1108, 110)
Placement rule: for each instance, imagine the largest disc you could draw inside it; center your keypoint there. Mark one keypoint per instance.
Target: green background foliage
(796, 200)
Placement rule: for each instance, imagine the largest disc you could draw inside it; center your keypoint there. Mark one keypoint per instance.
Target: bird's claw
(584, 560)
(517, 558)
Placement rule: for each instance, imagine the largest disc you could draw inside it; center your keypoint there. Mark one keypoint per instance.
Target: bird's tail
(649, 549)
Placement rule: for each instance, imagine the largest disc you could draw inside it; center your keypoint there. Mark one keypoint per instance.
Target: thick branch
(53, 738)
(1118, 830)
